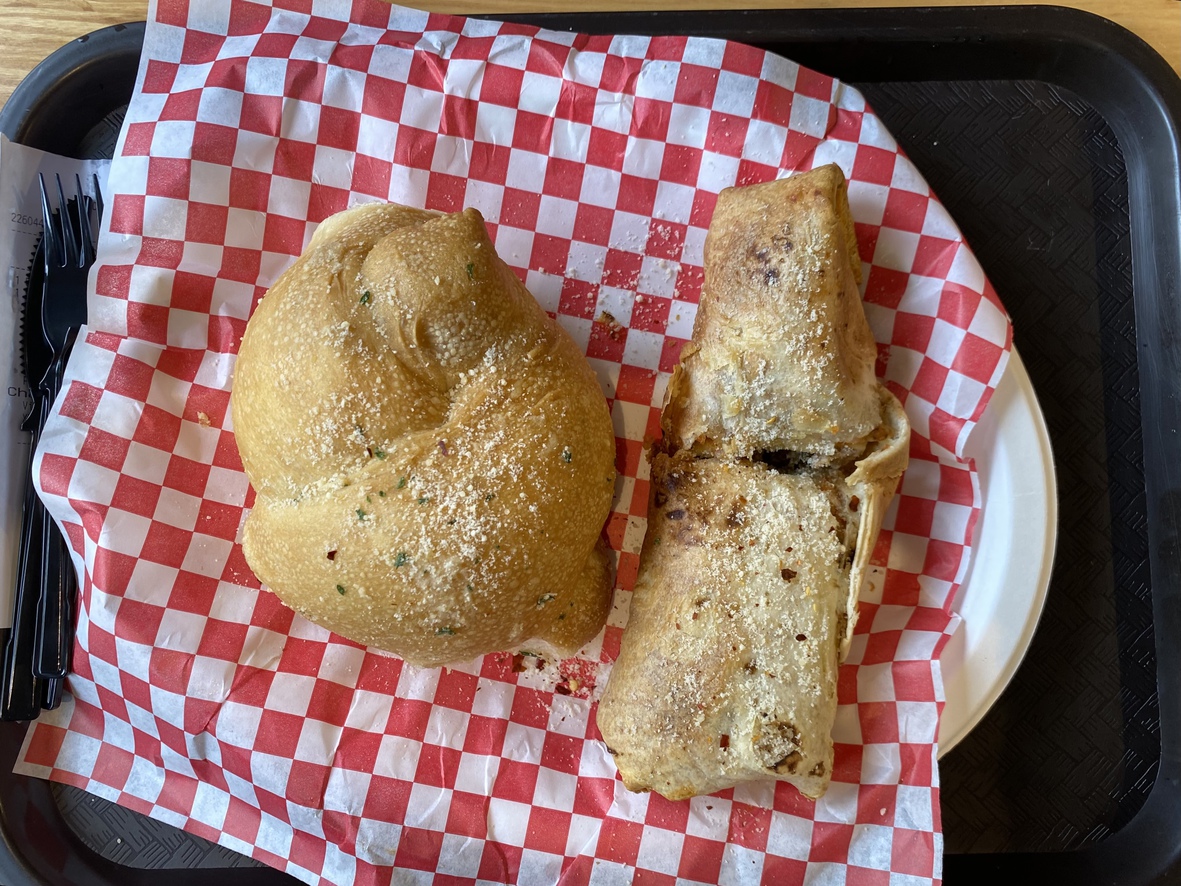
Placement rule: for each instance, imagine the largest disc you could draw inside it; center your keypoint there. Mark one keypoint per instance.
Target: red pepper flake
(443, 447)
(332, 555)
(854, 503)
(801, 637)
(724, 742)
(562, 689)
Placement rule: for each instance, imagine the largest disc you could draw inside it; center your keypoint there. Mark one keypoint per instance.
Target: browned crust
(781, 367)
(782, 357)
(433, 456)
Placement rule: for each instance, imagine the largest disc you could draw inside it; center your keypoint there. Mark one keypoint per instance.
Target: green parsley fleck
(562, 617)
(369, 498)
(567, 455)
(449, 632)
(422, 499)
(529, 654)
(340, 589)
(400, 559)
(546, 598)
(360, 514)
(471, 271)
(381, 493)
(470, 589)
(451, 522)
(656, 541)
(488, 496)
(380, 453)
(401, 482)
(365, 297)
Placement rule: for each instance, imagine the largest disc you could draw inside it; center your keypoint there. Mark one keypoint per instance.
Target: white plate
(1002, 596)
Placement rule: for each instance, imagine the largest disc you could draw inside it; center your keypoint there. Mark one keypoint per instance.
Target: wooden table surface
(31, 29)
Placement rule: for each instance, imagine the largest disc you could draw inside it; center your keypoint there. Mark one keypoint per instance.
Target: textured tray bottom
(131, 839)
(1037, 182)
(1068, 754)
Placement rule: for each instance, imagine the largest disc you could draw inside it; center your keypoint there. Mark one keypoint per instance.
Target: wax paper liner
(199, 699)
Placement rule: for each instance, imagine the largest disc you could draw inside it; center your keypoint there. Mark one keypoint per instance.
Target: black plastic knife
(21, 692)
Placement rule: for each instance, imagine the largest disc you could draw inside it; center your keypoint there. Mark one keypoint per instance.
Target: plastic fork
(21, 693)
(36, 652)
(69, 253)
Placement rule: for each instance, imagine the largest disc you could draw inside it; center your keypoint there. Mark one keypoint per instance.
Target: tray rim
(72, 61)
(1087, 55)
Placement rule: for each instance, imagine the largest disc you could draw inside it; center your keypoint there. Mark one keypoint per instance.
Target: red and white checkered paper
(199, 699)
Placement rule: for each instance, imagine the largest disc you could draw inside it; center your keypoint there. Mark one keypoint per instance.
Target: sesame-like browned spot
(737, 515)
(778, 745)
(789, 763)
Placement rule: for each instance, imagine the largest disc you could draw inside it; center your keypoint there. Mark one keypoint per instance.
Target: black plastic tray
(1053, 138)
